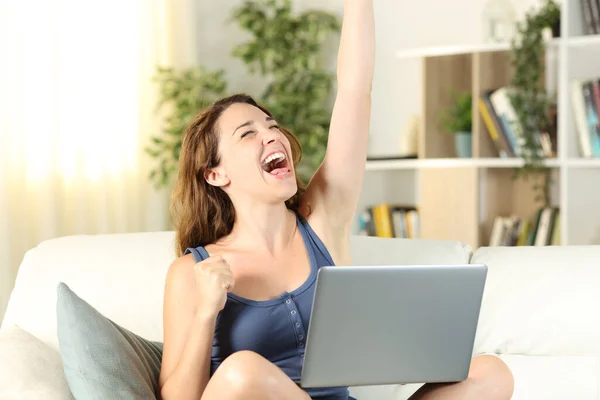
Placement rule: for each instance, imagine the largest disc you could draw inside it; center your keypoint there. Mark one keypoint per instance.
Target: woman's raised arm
(337, 183)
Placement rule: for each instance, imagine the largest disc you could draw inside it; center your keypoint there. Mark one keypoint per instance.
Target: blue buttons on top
(297, 322)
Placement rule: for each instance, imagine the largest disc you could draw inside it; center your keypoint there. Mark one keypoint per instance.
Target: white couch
(539, 313)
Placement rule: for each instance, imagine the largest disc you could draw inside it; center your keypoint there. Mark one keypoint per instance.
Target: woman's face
(256, 157)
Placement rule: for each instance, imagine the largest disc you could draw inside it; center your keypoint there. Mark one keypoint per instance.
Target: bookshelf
(460, 198)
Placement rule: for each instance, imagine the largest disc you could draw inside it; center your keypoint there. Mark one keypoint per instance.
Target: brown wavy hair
(200, 212)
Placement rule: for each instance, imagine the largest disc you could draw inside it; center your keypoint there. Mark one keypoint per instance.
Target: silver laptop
(375, 325)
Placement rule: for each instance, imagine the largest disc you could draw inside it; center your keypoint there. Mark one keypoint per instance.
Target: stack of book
(505, 129)
(541, 229)
(585, 97)
(591, 16)
(389, 221)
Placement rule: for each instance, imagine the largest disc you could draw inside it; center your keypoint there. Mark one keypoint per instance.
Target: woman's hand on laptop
(213, 280)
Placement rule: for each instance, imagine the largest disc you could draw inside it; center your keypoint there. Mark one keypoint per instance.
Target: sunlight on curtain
(76, 107)
(78, 83)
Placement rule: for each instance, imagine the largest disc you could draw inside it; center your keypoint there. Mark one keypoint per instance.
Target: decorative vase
(463, 144)
(499, 21)
(409, 137)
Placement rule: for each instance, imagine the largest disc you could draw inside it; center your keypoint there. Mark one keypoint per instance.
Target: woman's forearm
(189, 379)
(356, 55)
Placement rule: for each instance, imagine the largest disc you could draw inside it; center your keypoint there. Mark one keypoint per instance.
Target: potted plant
(283, 46)
(457, 120)
(529, 96)
(182, 94)
(286, 47)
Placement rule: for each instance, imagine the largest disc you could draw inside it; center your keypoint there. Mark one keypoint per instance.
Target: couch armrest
(30, 369)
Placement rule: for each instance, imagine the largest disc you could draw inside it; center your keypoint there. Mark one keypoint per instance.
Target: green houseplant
(457, 119)
(182, 94)
(528, 95)
(286, 48)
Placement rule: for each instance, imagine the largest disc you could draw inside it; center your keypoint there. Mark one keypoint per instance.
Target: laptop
(376, 325)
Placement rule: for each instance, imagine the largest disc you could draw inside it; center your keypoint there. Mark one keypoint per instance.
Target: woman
(250, 239)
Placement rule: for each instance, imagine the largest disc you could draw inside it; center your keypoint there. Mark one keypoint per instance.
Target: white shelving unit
(389, 165)
(576, 187)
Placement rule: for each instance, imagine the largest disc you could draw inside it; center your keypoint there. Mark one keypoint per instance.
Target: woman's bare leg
(489, 378)
(249, 376)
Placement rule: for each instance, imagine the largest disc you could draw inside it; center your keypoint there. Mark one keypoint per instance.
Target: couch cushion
(101, 359)
(554, 378)
(29, 369)
(133, 268)
(536, 377)
(370, 250)
(540, 300)
(108, 270)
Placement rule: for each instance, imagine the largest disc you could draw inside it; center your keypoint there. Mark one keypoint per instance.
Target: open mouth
(276, 164)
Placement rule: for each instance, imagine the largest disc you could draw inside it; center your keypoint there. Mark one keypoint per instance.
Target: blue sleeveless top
(276, 328)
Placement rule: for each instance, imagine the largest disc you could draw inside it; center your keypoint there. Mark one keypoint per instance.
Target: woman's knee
(492, 376)
(247, 375)
(243, 370)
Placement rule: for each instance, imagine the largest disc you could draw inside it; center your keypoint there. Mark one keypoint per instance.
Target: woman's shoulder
(335, 240)
(182, 264)
(180, 274)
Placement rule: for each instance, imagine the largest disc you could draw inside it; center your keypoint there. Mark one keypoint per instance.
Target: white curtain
(77, 106)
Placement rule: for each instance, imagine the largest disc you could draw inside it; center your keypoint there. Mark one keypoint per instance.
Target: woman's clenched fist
(213, 280)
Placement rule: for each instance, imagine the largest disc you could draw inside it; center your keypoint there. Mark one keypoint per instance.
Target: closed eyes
(253, 131)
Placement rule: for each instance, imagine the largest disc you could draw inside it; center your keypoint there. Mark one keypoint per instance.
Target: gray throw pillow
(101, 359)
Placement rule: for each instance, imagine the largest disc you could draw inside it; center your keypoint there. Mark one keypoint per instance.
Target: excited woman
(251, 238)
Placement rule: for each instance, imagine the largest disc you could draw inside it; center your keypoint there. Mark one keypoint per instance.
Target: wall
(410, 24)
(400, 24)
